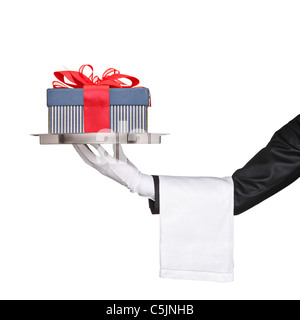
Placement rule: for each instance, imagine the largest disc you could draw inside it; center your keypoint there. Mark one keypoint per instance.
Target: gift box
(90, 104)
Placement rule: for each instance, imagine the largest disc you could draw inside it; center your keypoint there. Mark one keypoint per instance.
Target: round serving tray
(102, 138)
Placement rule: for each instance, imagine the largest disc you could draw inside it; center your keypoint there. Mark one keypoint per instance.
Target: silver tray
(103, 138)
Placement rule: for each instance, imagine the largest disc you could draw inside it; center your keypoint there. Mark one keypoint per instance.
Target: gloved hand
(118, 168)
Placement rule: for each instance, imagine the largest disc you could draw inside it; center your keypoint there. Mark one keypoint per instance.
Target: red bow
(111, 77)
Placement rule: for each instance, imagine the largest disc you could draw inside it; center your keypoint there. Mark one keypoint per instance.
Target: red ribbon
(77, 79)
(95, 93)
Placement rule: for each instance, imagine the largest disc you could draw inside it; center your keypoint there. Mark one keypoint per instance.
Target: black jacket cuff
(154, 205)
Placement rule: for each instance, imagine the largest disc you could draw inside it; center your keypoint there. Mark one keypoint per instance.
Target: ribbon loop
(77, 79)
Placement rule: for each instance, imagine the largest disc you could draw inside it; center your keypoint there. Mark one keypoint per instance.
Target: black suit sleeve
(271, 170)
(268, 172)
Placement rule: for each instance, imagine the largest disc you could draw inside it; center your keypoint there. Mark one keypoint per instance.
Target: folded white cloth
(196, 228)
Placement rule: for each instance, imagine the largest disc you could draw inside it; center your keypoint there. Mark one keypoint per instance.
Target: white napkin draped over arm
(196, 228)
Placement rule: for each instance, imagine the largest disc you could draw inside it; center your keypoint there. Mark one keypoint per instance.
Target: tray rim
(100, 137)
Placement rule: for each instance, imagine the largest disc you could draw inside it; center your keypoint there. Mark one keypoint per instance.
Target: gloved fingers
(102, 152)
(86, 154)
(82, 156)
(99, 163)
(95, 145)
(120, 155)
(108, 164)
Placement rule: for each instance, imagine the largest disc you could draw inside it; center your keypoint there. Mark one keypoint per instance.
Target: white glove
(118, 168)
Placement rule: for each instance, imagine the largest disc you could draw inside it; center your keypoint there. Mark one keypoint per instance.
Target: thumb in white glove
(118, 168)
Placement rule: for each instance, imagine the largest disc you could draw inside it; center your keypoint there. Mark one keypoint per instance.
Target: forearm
(146, 186)
(268, 172)
(271, 170)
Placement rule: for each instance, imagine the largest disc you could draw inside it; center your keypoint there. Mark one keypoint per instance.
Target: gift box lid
(117, 96)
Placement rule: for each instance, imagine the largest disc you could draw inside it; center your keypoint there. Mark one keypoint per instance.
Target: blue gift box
(128, 110)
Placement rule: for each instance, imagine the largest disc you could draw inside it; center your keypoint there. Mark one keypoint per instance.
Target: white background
(224, 76)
